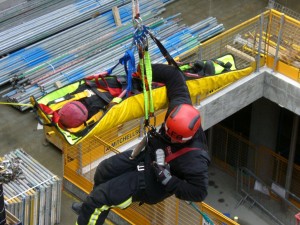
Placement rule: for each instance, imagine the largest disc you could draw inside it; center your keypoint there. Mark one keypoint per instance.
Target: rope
(206, 218)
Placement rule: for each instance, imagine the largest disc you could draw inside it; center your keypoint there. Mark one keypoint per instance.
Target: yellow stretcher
(133, 107)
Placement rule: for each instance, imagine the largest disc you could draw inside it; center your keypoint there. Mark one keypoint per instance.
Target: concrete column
(264, 123)
(289, 174)
(263, 131)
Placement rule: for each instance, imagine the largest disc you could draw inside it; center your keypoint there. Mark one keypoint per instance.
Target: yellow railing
(263, 40)
(81, 160)
(270, 39)
(231, 152)
(283, 45)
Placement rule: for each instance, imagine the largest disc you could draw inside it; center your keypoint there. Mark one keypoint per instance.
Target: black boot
(76, 207)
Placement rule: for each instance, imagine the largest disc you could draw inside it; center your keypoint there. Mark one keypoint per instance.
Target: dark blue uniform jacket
(189, 171)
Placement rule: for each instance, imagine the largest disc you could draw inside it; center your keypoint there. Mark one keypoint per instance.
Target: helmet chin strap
(163, 135)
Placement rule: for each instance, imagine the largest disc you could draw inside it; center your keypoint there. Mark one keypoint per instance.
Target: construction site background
(227, 144)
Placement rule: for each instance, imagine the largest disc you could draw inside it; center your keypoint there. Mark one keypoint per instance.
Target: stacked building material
(16, 12)
(35, 199)
(92, 47)
(175, 40)
(38, 28)
(57, 45)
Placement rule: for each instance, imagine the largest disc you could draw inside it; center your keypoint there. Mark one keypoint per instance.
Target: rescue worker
(181, 169)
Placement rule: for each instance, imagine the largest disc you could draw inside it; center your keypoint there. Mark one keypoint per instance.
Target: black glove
(162, 173)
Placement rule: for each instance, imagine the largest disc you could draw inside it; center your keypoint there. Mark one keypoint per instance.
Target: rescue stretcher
(114, 113)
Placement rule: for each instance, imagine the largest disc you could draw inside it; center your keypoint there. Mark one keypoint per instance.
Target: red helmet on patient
(73, 114)
(182, 123)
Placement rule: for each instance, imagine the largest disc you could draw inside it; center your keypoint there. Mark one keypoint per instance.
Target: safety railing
(270, 199)
(283, 45)
(250, 43)
(241, 158)
(276, 169)
(231, 151)
(80, 162)
(270, 39)
(283, 9)
(173, 211)
(232, 41)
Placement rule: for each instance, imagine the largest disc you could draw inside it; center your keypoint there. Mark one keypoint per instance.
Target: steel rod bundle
(177, 43)
(21, 11)
(14, 64)
(92, 47)
(53, 22)
(35, 199)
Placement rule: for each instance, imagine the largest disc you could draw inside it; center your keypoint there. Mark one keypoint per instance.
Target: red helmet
(182, 123)
(73, 114)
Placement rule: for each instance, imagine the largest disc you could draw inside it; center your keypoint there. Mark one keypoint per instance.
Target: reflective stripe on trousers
(98, 211)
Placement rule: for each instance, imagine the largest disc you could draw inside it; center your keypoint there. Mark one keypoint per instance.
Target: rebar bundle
(40, 52)
(15, 12)
(92, 47)
(38, 28)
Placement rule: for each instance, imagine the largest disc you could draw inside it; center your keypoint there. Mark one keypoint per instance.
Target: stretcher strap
(146, 75)
(60, 102)
(49, 111)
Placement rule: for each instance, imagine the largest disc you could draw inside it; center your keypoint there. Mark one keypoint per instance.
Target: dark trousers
(115, 182)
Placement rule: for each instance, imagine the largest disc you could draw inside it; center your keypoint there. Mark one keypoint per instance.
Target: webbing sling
(172, 156)
(113, 91)
(96, 117)
(60, 102)
(148, 69)
(144, 85)
(164, 51)
(145, 67)
(128, 61)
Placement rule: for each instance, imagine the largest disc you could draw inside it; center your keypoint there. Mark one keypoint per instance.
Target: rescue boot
(76, 207)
